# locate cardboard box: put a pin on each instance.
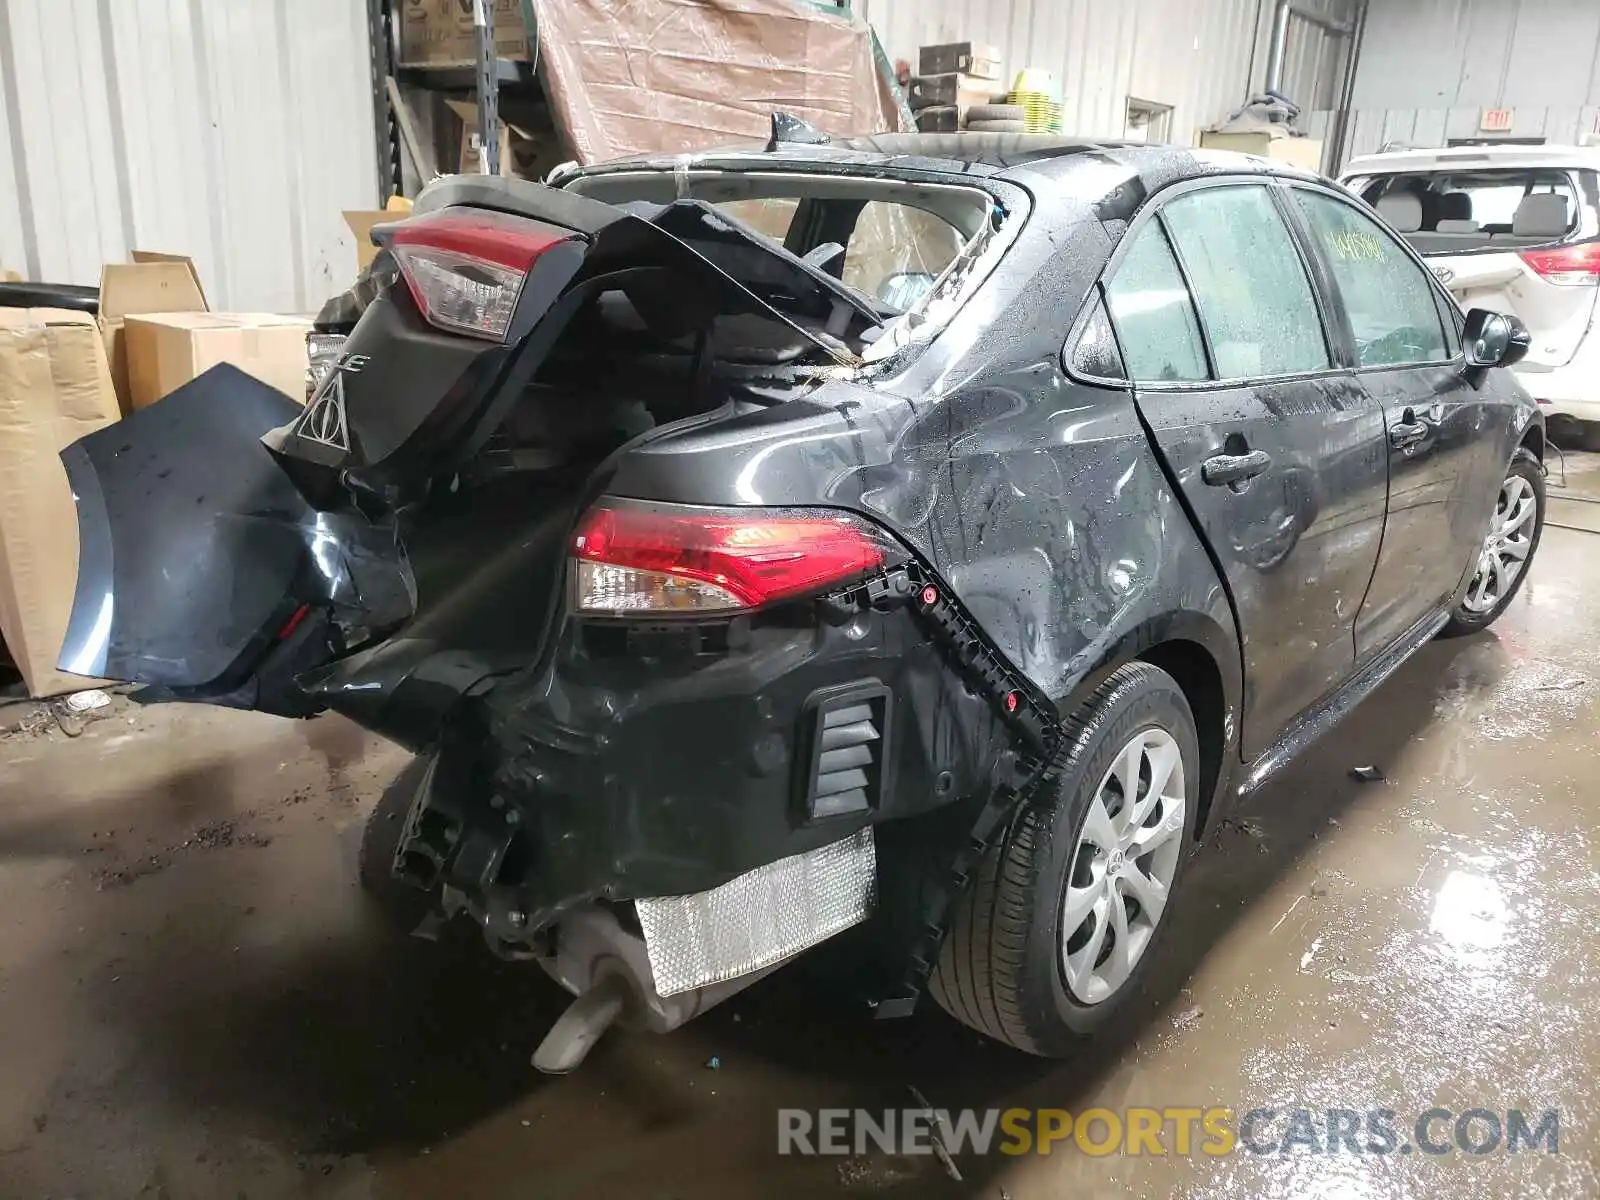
(967, 58)
(361, 222)
(55, 387)
(962, 91)
(939, 118)
(526, 150)
(438, 33)
(152, 283)
(167, 350)
(1303, 152)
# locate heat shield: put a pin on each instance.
(761, 917)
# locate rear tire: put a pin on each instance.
(1007, 967)
(1471, 615)
(1590, 435)
(401, 904)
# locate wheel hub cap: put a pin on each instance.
(1505, 549)
(1123, 865)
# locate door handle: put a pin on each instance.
(1407, 431)
(1230, 469)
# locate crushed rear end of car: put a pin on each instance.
(668, 744)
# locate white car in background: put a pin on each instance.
(1512, 229)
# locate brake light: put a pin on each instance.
(466, 267)
(634, 557)
(1573, 265)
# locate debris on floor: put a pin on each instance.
(1368, 774)
(1188, 1019)
(86, 701)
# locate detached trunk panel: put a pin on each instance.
(198, 553)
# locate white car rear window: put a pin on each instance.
(1442, 211)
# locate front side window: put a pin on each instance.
(1393, 310)
(1154, 315)
(1252, 289)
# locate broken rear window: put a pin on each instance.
(889, 240)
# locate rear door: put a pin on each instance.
(1514, 240)
(1445, 458)
(1277, 450)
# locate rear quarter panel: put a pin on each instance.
(1037, 498)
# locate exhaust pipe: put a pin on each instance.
(607, 969)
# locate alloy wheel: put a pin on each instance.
(1506, 548)
(1123, 866)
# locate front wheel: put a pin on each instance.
(1065, 911)
(1507, 548)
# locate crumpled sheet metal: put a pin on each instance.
(761, 917)
(645, 76)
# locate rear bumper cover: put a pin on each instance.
(1572, 390)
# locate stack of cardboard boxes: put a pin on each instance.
(65, 374)
(951, 78)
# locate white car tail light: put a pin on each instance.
(634, 557)
(466, 267)
(1575, 265)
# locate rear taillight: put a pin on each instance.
(633, 557)
(1573, 266)
(466, 267)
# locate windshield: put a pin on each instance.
(1443, 211)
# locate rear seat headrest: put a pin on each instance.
(1544, 215)
(1455, 206)
(1403, 210)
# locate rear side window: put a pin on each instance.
(1392, 308)
(1447, 210)
(1252, 289)
(1154, 315)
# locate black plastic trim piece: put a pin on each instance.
(1019, 772)
(878, 698)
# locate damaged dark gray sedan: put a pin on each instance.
(926, 536)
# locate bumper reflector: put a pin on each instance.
(760, 918)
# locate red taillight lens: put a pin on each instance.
(643, 558)
(466, 267)
(1573, 266)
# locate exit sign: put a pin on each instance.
(1497, 120)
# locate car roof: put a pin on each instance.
(991, 155)
(1453, 157)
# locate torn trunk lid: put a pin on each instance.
(396, 410)
(235, 542)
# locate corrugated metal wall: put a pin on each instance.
(234, 131)
(1203, 57)
(1430, 67)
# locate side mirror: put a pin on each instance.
(1492, 339)
(903, 289)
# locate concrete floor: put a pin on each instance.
(196, 1001)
